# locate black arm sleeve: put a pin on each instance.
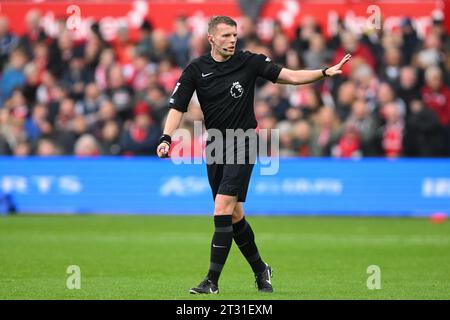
(266, 69)
(183, 91)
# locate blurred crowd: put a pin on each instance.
(92, 97)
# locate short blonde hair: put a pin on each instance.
(216, 20)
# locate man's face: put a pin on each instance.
(223, 39)
(434, 81)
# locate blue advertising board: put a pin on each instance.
(402, 187)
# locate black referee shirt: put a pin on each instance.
(225, 89)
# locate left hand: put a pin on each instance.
(336, 69)
(163, 149)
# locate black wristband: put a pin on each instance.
(166, 138)
(324, 72)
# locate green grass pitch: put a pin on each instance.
(161, 257)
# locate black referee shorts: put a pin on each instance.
(229, 179)
(231, 176)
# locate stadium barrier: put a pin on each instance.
(109, 185)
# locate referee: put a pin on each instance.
(225, 82)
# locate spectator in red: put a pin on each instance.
(141, 136)
(123, 46)
(436, 96)
(169, 74)
(349, 144)
(391, 134)
(359, 52)
(141, 70)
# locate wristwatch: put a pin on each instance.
(324, 72)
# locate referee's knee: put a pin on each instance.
(224, 205)
(236, 217)
(238, 213)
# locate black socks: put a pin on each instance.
(245, 240)
(220, 246)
